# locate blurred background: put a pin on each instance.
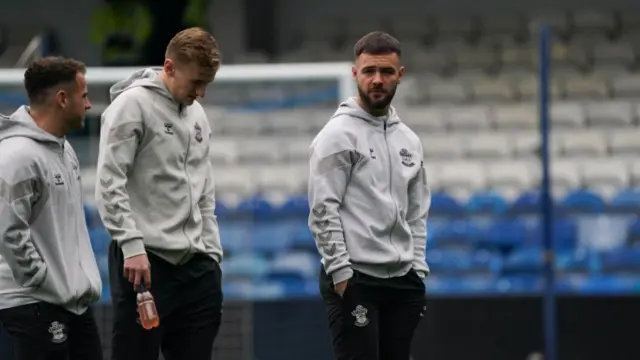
(471, 93)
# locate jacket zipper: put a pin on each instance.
(186, 173)
(70, 179)
(395, 205)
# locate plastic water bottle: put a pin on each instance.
(149, 318)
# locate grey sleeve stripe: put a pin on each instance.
(125, 131)
(336, 161)
(12, 192)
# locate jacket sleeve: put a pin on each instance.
(331, 159)
(120, 135)
(207, 205)
(22, 193)
(419, 202)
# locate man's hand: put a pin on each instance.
(341, 287)
(137, 269)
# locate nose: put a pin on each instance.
(201, 90)
(87, 104)
(377, 78)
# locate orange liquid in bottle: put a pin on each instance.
(149, 318)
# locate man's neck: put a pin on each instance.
(165, 81)
(47, 122)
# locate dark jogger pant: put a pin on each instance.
(43, 331)
(189, 302)
(375, 319)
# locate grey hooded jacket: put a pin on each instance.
(155, 187)
(45, 251)
(368, 195)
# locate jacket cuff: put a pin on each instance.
(133, 247)
(341, 275)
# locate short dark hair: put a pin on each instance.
(377, 43)
(45, 74)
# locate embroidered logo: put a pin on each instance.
(407, 158)
(198, 133)
(360, 313)
(57, 331)
(168, 128)
(58, 179)
(373, 156)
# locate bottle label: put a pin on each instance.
(148, 305)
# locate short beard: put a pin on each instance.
(378, 107)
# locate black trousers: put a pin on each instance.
(375, 319)
(189, 302)
(43, 331)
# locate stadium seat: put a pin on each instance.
(567, 115)
(609, 114)
(510, 117)
(469, 118)
(486, 202)
(582, 200)
(588, 144)
(271, 237)
(623, 260)
(447, 262)
(223, 150)
(605, 176)
(487, 146)
(259, 150)
(442, 147)
(625, 143)
(245, 266)
(100, 240)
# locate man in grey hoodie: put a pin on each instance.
(48, 272)
(369, 202)
(155, 195)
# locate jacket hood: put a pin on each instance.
(350, 107)
(21, 124)
(148, 78)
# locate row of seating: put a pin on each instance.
(614, 145)
(437, 118)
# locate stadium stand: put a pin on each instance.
(471, 97)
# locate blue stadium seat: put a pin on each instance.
(103, 266)
(463, 286)
(487, 202)
(565, 234)
(527, 202)
(296, 205)
(222, 210)
(257, 207)
(297, 265)
(463, 262)
(235, 236)
(622, 260)
(582, 200)
(246, 266)
(271, 237)
(525, 261)
(91, 216)
(443, 203)
(578, 261)
(626, 199)
(503, 235)
(105, 297)
(252, 290)
(301, 237)
(100, 240)
(452, 234)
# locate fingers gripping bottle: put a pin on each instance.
(149, 318)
